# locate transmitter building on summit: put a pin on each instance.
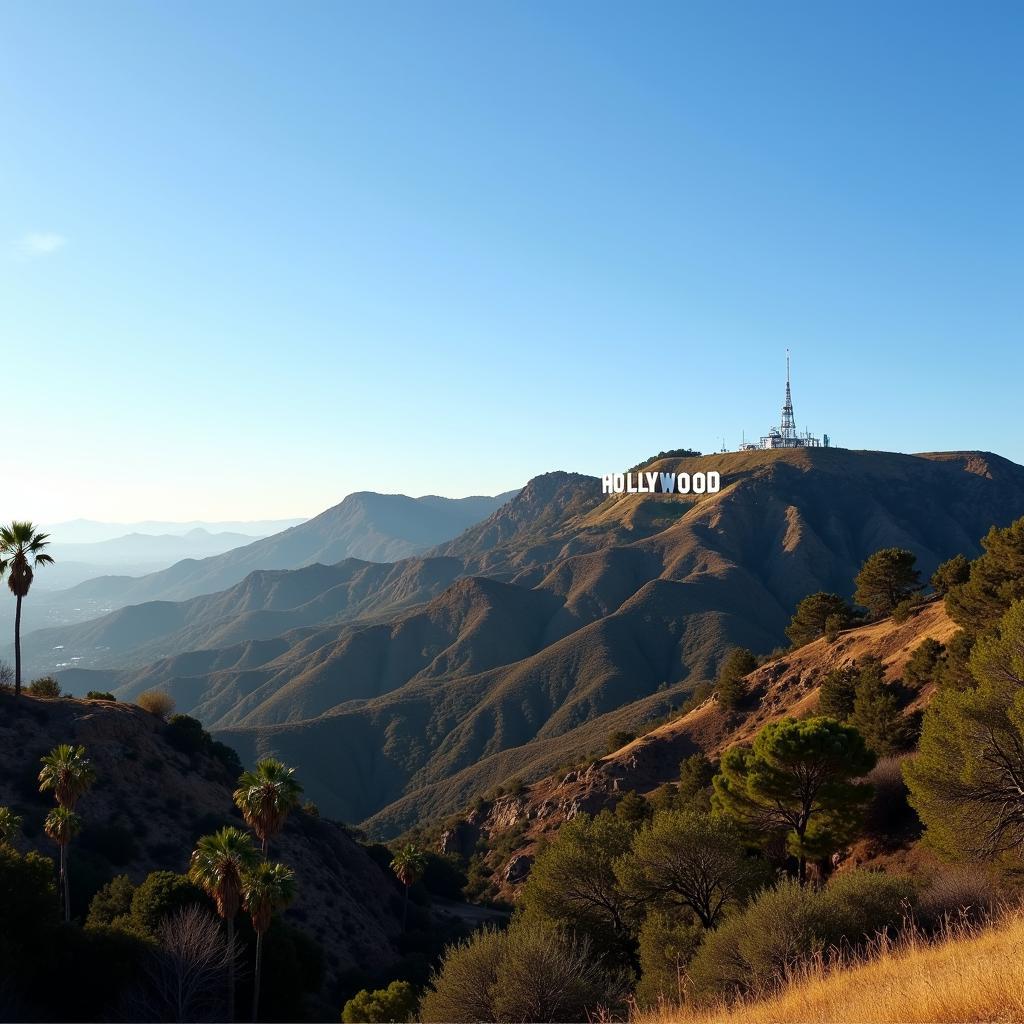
(785, 435)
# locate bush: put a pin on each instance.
(156, 702)
(667, 945)
(955, 893)
(753, 950)
(396, 1003)
(901, 613)
(186, 734)
(44, 686)
(533, 971)
(112, 902)
(618, 739)
(160, 895)
(100, 695)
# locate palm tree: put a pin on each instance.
(68, 772)
(219, 865)
(62, 825)
(10, 825)
(21, 552)
(409, 865)
(268, 887)
(265, 796)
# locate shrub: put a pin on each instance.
(156, 702)
(186, 734)
(667, 945)
(160, 895)
(396, 1003)
(618, 739)
(954, 893)
(902, 611)
(100, 695)
(753, 950)
(889, 813)
(44, 686)
(532, 971)
(110, 903)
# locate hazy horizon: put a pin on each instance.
(253, 262)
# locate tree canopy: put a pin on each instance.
(800, 778)
(887, 579)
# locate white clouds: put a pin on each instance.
(41, 243)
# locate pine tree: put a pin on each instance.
(730, 689)
(887, 578)
(812, 616)
(798, 777)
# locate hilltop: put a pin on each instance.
(565, 615)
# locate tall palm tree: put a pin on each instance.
(265, 796)
(62, 825)
(219, 865)
(408, 864)
(21, 552)
(10, 825)
(268, 887)
(68, 772)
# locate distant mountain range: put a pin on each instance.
(91, 531)
(368, 526)
(403, 690)
(133, 554)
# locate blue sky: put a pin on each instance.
(255, 256)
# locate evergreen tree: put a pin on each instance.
(814, 613)
(798, 778)
(996, 580)
(876, 714)
(837, 692)
(950, 574)
(730, 689)
(887, 578)
(965, 782)
(922, 666)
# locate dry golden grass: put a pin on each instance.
(967, 976)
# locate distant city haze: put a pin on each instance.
(255, 259)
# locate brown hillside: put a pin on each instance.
(587, 613)
(152, 801)
(784, 686)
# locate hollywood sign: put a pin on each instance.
(661, 483)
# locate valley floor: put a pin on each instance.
(976, 977)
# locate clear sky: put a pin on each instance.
(254, 257)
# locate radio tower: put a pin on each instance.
(788, 425)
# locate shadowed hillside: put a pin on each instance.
(152, 801)
(787, 685)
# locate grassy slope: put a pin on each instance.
(963, 978)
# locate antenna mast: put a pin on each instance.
(788, 425)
